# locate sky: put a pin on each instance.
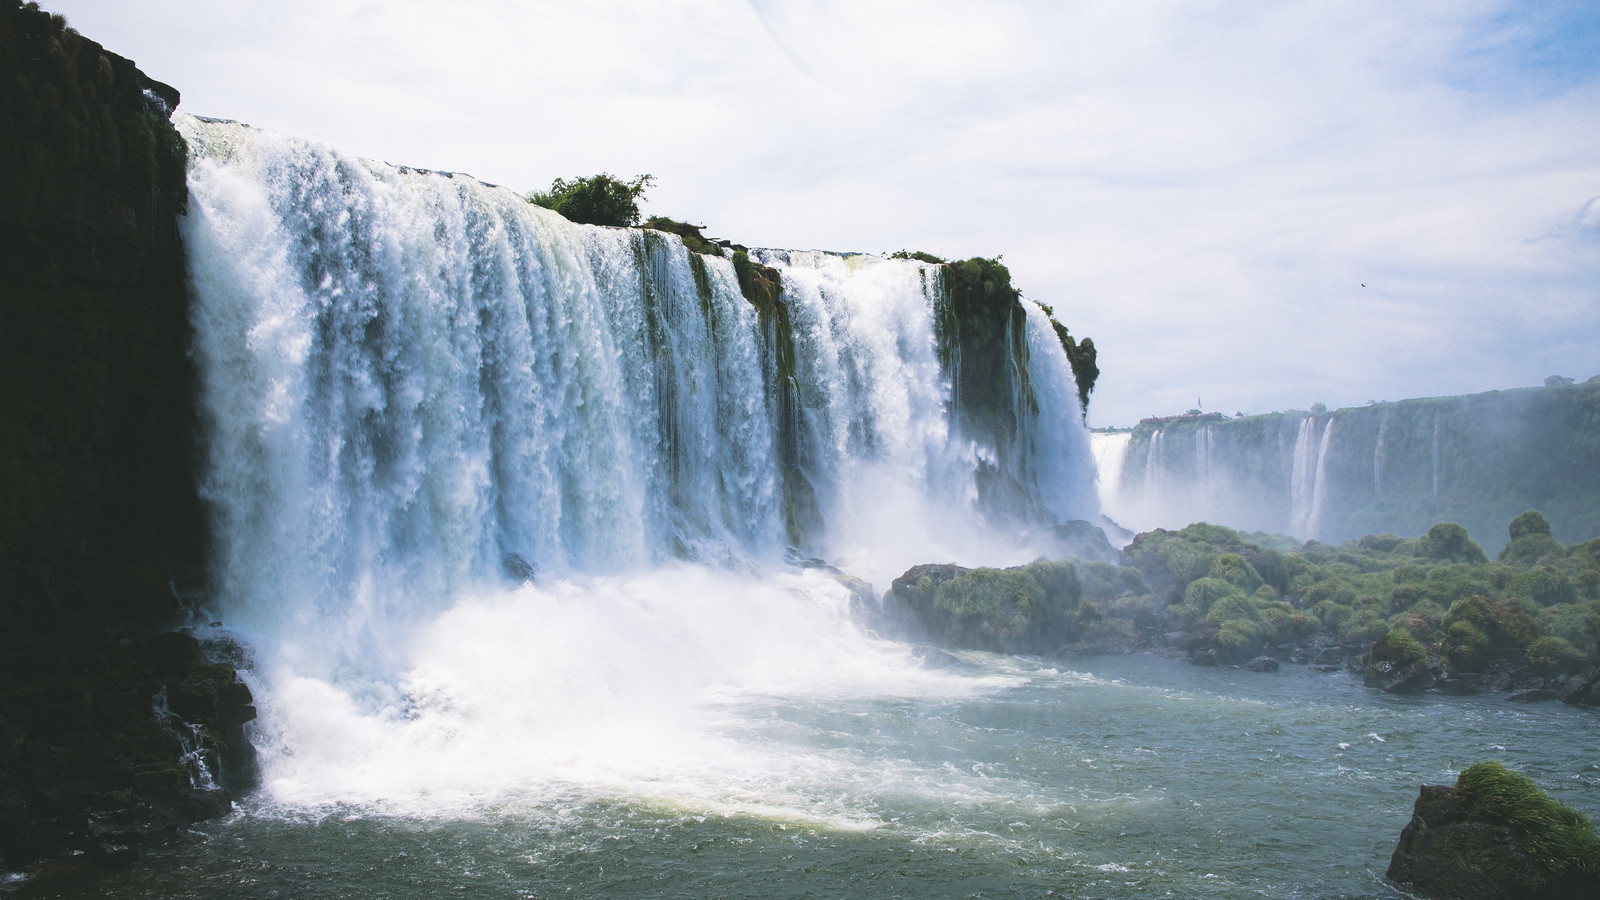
(1248, 206)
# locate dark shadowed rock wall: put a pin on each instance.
(100, 527)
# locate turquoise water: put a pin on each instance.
(1135, 776)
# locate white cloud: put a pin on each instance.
(1203, 187)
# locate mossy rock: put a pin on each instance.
(1495, 835)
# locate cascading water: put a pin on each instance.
(1301, 477)
(1110, 454)
(1434, 458)
(1154, 469)
(1377, 459)
(501, 500)
(1319, 484)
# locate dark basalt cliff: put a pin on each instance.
(100, 525)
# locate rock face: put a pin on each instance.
(1393, 677)
(100, 525)
(1466, 844)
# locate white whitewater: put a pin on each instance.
(1110, 454)
(419, 391)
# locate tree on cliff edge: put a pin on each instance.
(600, 199)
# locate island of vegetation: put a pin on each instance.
(1429, 613)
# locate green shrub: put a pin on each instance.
(1203, 593)
(1554, 654)
(1530, 548)
(1400, 648)
(1558, 838)
(1466, 648)
(1364, 627)
(1104, 581)
(1449, 583)
(1284, 622)
(1576, 623)
(917, 255)
(1528, 524)
(1505, 623)
(1333, 614)
(596, 200)
(1544, 586)
(1059, 581)
(1232, 568)
(1449, 542)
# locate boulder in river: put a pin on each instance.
(1495, 835)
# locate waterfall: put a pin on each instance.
(1319, 483)
(1377, 460)
(476, 472)
(1308, 489)
(1056, 451)
(1154, 468)
(1302, 474)
(1110, 454)
(1435, 455)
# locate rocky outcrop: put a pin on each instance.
(110, 733)
(1495, 836)
(108, 745)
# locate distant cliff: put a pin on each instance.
(1479, 460)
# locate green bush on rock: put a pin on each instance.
(1412, 604)
(1560, 839)
(1495, 834)
(602, 199)
(1449, 542)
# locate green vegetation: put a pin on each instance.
(692, 238)
(1437, 594)
(1559, 839)
(1400, 648)
(596, 200)
(980, 314)
(1232, 597)
(917, 255)
(1036, 607)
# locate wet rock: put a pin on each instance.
(1397, 678)
(518, 569)
(1580, 690)
(1262, 664)
(934, 658)
(1456, 686)
(1534, 696)
(1081, 540)
(863, 599)
(1458, 848)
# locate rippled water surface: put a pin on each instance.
(1111, 777)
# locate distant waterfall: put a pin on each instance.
(1301, 483)
(1319, 491)
(1435, 454)
(1308, 484)
(1377, 459)
(415, 383)
(1110, 455)
(1154, 467)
